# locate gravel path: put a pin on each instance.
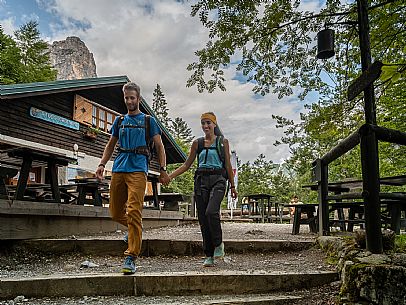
(22, 264)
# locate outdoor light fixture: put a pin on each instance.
(75, 150)
(325, 44)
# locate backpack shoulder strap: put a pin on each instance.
(200, 145)
(220, 148)
(147, 124)
(120, 120)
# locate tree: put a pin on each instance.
(10, 60)
(275, 44)
(180, 130)
(183, 184)
(34, 54)
(255, 178)
(160, 107)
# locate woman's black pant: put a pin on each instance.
(209, 192)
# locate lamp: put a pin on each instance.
(75, 150)
(325, 44)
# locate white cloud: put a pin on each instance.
(152, 42)
(8, 25)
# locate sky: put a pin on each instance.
(152, 42)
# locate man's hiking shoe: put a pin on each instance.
(219, 251)
(128, 266)
(125, 238)
(208, 262)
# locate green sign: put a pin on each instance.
(53, 118)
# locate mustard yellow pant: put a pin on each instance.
(126, 201)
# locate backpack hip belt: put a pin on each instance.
(140, 150)
(210, 171)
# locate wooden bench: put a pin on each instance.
(310, 210)
(6, 172)
(170, 200)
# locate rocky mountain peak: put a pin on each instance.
(72, 59)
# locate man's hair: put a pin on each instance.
(132, 86)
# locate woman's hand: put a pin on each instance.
(164, 178)
(234, 193)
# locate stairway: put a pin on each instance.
(85, 270)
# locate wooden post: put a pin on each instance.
(369, 144)
(23, 177)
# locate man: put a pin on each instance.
(130, 168)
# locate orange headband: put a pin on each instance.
(209, 116)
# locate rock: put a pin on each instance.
(88, 264)
(399, 259)
(72, 59)
(375, 259)
(19, 299)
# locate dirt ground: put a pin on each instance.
(22, 264)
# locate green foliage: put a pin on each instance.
(184, 183)
(160, 106)
(25, 59)
(183, 137)
(34, 54)
(10, 59)
(400, 244)
(180, 130)
(255, 178)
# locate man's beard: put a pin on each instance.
(131, 107)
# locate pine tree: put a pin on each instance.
(180, 130)
(10, 60)
(34, 54)
(160, 107)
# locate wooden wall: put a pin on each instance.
(15, 121)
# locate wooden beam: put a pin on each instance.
(364, 80)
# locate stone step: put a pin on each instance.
(153, 247)
(246, 299)
(163, 283)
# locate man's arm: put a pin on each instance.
(108, 152)
(163, 177)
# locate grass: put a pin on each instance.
(400, 243)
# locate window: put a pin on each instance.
(90, 113)
(94, 116)
(109, 120)
(102, 119)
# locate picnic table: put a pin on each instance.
(171, 200)
(28, 156)
(89, 186)
(311, 216)
(345, 196)
(259, 207)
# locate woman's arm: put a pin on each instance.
(189, 161)
(229, 168)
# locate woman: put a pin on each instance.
(213, 157)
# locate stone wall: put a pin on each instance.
(367, 278)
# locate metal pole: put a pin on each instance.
(369, 144)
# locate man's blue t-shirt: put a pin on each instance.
(130, 138)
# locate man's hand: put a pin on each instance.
(100, 172)
(164, 178)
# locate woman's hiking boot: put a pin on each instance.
(219, 251)
(208, 262)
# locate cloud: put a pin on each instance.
(153, 42)
(8, 25)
